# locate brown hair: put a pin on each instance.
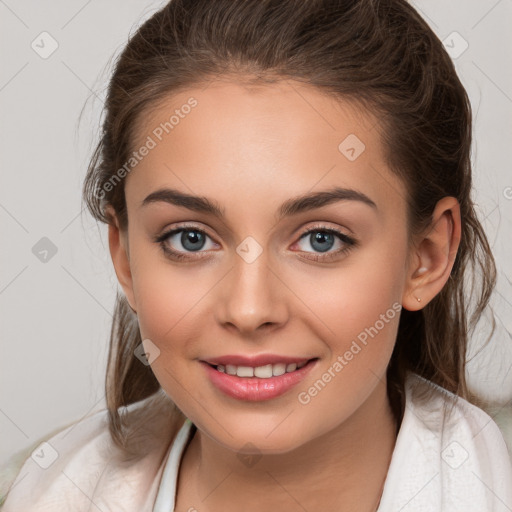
(378, 53)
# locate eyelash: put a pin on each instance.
(349, 242)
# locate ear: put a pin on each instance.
(118, 244)
(433, 255)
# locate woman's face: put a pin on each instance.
(295, 250)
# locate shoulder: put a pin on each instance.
(437, 410)
(449, 454)
(81, 464)
(49, 461)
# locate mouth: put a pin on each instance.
(266, 371)
(257, 382)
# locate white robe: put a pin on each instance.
(437, 465)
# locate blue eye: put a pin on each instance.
(183, 242)
(180, 241)
(322, 240)
(190, 240)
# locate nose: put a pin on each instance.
(251, 298)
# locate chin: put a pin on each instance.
(271, 438)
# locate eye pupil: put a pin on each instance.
(322, 241)
(192, 240)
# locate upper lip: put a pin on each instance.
(254, 361)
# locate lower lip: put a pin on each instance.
(253, 388)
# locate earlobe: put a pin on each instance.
(434, 255)
(118, 245)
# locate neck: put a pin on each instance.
(344, 469)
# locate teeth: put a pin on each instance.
(262, 372)
(245, 371)
(231, 369)
(278, 369)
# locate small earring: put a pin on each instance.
(418, 299)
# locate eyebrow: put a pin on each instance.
(290, 207)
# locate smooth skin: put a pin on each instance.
(248, 150)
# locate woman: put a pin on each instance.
(287, 189)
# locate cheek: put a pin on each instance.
(361, 309)
(351, 299)
(169, 300)
(170, 315)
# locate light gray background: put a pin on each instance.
(56, 315)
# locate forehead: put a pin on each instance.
(279, 139)
(301, 108)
